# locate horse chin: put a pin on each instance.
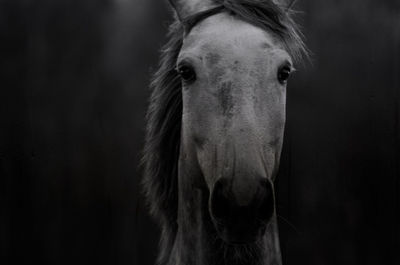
(236, 235)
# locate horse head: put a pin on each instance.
(234, 77)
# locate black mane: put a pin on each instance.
(161, 152)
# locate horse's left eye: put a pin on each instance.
(284, 74)
(187, 73)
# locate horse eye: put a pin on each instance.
(284, 74)
(187, 73)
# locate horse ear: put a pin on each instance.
(186, 8)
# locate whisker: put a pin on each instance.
(289, 223)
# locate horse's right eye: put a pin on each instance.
(284, 74)
(187, 73)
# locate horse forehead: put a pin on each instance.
(225, 33)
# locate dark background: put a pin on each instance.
(74, 80)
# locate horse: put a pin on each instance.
(214, 134)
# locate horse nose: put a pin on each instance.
(226, 209)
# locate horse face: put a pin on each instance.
(234, 91)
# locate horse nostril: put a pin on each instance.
(220, 204)
(266, 199)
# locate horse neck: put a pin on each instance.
(196, 242)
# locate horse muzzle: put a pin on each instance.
(239, 221)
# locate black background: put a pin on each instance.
(74, 86)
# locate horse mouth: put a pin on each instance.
(239, 233)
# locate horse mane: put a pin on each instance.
(162, 141)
